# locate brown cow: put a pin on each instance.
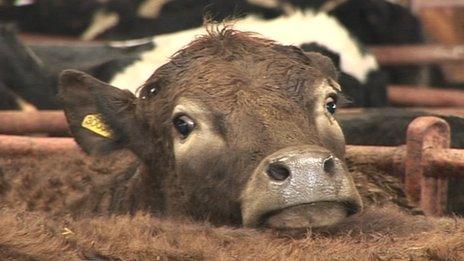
(235, 129)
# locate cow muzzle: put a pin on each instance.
(299, 187)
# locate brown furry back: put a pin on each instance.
(60, 184)
(76, 184)
(378, 234)
(37, 194)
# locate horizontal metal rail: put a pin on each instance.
(17, 122)
(417, 5)
(445, 111)
(11, 145)
(54, 122)
(407, 95)
(418, 54)
(413, 54)
(425, 162)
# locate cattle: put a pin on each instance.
(25, 82)
(381, 233)
(50, 16)
(378, 22)
(204, 132)
(128, 67)
(29, 74)
(34, 225)
(361, 78)
(372, 22)
(234, 129)
(7, 99)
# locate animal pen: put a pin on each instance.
(425, 164)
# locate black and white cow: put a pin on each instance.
(372, 21)
(313, 31)
(25, 82)
(375, 22)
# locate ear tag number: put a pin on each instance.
(95, 123)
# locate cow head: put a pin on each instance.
(235, 129)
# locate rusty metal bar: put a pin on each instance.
(447, 162)
(54, 122)
(438, 162)
(16, 122)
(388, 158)
(430, 191)
(416, 5)
(448, 111)
(418, 54)
(407, 95)
(20, 145)
(425, 163)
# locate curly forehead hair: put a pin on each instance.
(225, 44)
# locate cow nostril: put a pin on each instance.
(277, 172)
(329, 165)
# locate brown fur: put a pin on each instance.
(261, 94)
(52, 209)
(68, 183)
(35, 206)
(380, 234)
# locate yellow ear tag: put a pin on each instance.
(95, 123)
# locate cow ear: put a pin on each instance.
(102, 118)
(323, 58)
(325, 63)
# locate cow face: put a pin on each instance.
(235, 129)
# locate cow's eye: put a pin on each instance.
(331, 105)
(184, 125)
(149, 91)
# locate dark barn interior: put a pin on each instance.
(232, 130)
